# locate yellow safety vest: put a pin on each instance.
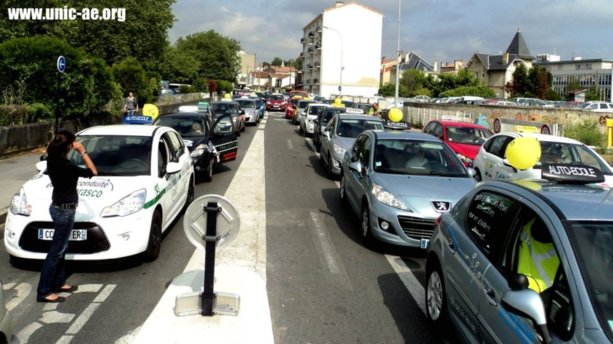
(538, 261)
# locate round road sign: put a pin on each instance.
(61, 64)
(195, 221)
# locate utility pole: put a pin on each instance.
(397, 57)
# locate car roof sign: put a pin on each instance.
(572, 173)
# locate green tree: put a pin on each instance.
(143, 34)
(217, 55)
(29, 64)
(387, 90)
(520, 85)
(276, 62)
(478, 91)
(593, 93)
(540, 81)
(131, 77)
(179, 66)
(414, 81)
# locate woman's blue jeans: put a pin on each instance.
(53, 274)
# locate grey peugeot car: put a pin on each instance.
(399, 182)
(526, 261)
(339, 135)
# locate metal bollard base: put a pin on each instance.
(223, 304)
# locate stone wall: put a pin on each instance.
(18, 138)
(501, 118)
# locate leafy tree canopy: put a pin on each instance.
(217, 55)
(28, 68)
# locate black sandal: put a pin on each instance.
(67, 290)
(47, 300)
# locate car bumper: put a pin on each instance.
(251, 118)
(309, 127)
(405, 228)
(276, 107)
(107, 238)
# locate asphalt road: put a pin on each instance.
(323, 285)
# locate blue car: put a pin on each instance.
(399, 183)
(526, 261)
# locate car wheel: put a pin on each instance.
(342, 189)
(317, 145)
(238, 133)
(330, 173)
(301, 131)
(436, 307)
(208, 171)
(365, 226)
(243, 127)
(155, 238)
(191, 194)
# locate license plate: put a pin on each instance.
(75, 235)
(423, 243)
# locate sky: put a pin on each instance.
(436, 30)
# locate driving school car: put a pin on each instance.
(145, 178)
(526, 261)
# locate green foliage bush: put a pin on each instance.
(478, 91)
(587, 132)
(38, 111)
(12, 114)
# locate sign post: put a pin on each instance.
(219, 228)
(61, 67)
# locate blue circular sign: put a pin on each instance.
(61, 64)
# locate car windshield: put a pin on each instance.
(593, 243)
(465, 135)
(231, 108)
(354, 127)
(316, 110)
(117, 155)
(303, 104)
(329, 113)
(276, 97)
(570, 153)
(249, 104)
(415, 157)
(186, 126)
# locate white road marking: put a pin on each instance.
(332, 259)
(23, 290)
(290, 145)
(78, 324)
(410, 281)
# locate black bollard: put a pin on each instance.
(210, 237)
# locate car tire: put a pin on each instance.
(436, 306)
(191, 193)
(207, 174)
(342, 190)
(365, 230)
(329, 167)
(155, 238)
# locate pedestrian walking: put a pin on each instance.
(130, 105)
(64, 175)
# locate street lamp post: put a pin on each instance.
(340, 79)
(397, 58)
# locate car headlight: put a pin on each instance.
(338, 150)
(127, 205)
(198, 151)
(388, 198)
(20, 205)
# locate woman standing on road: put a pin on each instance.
(64, 175)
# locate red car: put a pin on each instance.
(291, 110)
(464, 138)
(276, 102)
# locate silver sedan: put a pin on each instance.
(399, 184)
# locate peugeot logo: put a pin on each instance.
(441, 206)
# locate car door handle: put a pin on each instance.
(490, 296)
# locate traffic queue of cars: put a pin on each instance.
(524, 257)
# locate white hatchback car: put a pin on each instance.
(145, 179)
(308, 117)
(491, 164)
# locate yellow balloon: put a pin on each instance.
(395, 115)
(523, 152)
(150, 110)
(227, 96)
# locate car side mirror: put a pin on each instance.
(356, 166)
(327, 134)
(528, 303)
(508, 164)
(173, 167)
